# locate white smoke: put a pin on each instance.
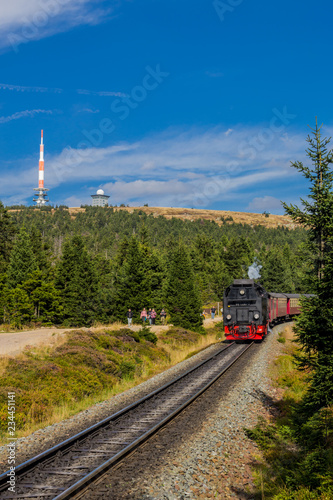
(254, 271)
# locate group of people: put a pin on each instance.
(212, 313)
(151, 315)
(145, 315)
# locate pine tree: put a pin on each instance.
(275, 274)
(22, 260)
(181, 295)
(45, 298)
(314, 327)
(18, 308)
(77, 281)
(238, 257)
(40, 250)
(317, 212)
(138, 282)
(7, 233)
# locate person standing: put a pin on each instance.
(213, 311)
(153, 315)
(129, 317)
(143, 315)
(149, 315)
(163, 316)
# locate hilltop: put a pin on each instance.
(218, 216)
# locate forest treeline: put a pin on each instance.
(76, 270)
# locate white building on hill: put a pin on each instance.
(99, 199)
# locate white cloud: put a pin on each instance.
(174, 168)
(24, 114)
(265, 203)
(75, 201)
(21, 88)
(101, 93)
(88, 110)
(22, 21)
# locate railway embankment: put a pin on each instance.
(227, 444)
(80, 376)
(205, 453)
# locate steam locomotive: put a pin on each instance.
(248, 310)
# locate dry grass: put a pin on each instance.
(3, 364)
(284, 371)
(5, 328)
(180, 352)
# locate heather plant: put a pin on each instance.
(84, 366)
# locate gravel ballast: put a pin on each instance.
(205, 452)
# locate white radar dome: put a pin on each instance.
(100, 191)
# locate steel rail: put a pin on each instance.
(99, 471)
(66, 445)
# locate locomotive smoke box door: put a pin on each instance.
(242, 315)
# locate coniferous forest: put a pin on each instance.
(56, 268)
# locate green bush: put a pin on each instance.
(147, 335)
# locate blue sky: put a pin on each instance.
(171, 103)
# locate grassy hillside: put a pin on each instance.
(192, 214)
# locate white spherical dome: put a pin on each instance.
(100, 191)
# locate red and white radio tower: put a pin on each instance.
(40, 196)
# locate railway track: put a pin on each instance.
(66, 470)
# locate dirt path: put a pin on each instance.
(14, 343)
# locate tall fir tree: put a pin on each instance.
(45, 298)
(7, 233)
(22, 260)
(138, 281)
(275, 274)
(181, 294)
(314, 327)
(77, 281)
(40, 250)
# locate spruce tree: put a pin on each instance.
(314, 327)
(18, 308)
(40, 249)
(138, 282)
(77, 281)
(44, 296)
(181, 295)
(22, 260)
(275, 274)
(7, 233)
